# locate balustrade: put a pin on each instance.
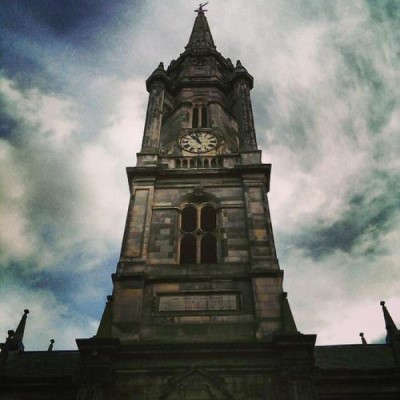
(198, 162)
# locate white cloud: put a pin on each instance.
(103, 161)
(78, 182)
(338, 296)
(48, 319)
(15, 236)
(49, 115)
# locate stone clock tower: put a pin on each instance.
(197, 309)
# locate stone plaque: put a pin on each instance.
(198, 302)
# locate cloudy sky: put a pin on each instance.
(327, 110)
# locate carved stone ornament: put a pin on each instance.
(195, 384)
(199, 61)
(163, 151)
(91, 392)
(198, 191)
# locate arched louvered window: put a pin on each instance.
(204, 117)
(200, 116)
(198, 244)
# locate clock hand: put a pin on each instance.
(195, 136)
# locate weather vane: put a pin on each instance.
(200, 10)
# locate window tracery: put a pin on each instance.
(199, 234)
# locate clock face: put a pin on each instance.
(198, 142)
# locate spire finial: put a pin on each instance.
(201, 39)
(19, 332)
(363, 341)
(51, 345)
(200, 10)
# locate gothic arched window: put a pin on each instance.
(198, 243)
(188, 249)
(208, 249)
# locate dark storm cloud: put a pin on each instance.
(56, 281)
(364, 68)
(66, 281)
(63, 17)
(67, 289)
(366, 213)
(60, 17)
(7, 124)
(384, 10)
(60, 39)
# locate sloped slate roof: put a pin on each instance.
(354, 356)
(42, 364)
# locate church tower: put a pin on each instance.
(197, 309)
(198, 260)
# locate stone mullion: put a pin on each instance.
(198, 235)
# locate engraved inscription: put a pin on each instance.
(215, 302)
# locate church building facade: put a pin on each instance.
(198, 309)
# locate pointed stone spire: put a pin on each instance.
(104, 330)
(289, 326)
(393, 334)
(363, 341)
(239, 66)
(201, 38)
(240, 72)
(19, 332)
(391, 327)
(6, 348)
(158, 75)
(13, 342)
